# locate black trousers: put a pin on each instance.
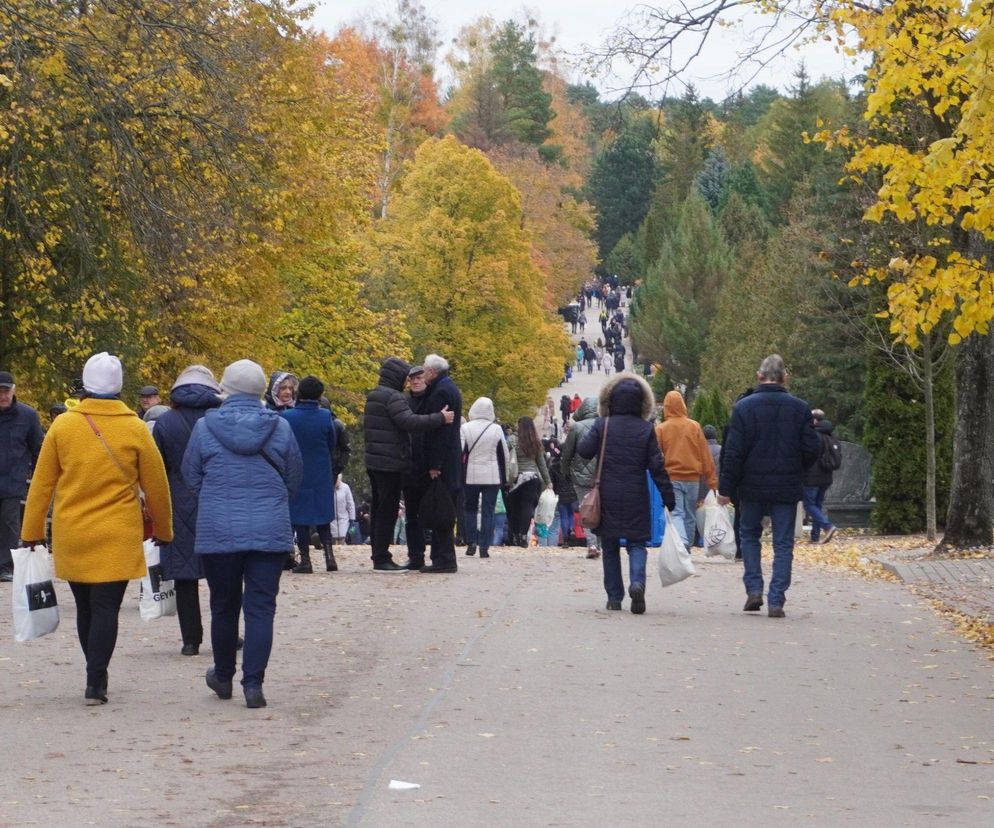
(191, 626)
(385, 501)
(413, 492)
(521, 503)
(303, 535)
(97, 609)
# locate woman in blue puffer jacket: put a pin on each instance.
(244, 463)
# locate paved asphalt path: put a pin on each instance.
(512, 697)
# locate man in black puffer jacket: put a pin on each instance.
(770, 442)
(387, 421)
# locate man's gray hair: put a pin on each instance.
(436, 363)
(817, 415)
(772, 369)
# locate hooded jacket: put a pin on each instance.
(770, 442)
(484, 439)
(581, 471)
(686, 453)
(630, 451)
(387, 420)
(275, 380)
(815, 475)
(172, 434)
(244, 463)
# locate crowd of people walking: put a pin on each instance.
(230, 476)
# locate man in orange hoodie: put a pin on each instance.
(688, 462)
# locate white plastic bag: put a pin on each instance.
(674, 559)
(718, 533)
(156, 597)
(545, 512)
(36, 610)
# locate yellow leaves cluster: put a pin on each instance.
(932, 66)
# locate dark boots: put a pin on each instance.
(330, 564)
(304, 567)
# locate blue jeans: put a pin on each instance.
(814, 498)
(243, 582)
(552, 535)
(500, 528)
(614, 584)
(566, 512)
(480, 499)
(685, 513)
(783, 516)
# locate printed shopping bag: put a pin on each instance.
(36, 610)
(156, 597)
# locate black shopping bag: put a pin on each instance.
(437, 509)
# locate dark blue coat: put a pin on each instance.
(631, 450)
(770, 442)
(443, 446)
(171, 434)
(244, 463)
(314, 428)
(20, 442)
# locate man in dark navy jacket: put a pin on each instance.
(20, 442)
(770, 442)
(443, 454)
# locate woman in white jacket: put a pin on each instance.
(344, 510)
(487, 461)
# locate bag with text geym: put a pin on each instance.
(156, 597)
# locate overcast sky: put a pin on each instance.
(579, 22)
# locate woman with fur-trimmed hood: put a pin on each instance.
(625, 408)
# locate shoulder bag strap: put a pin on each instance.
(600, 460)
(135, 487)
(477, 440)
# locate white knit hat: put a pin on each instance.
(103, 374)
(197, 375)
(244, 377)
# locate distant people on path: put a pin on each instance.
(387, 423)
(574, 403)
(96, 461)
(711, 435)
(245, 465)
(533, 476)
(487, 461)
(565, 408)
(148, 397)
(581, 471)
(194, 393)
(771, 441)
(20, 444)
(313, 504)
(688, 460)
(579, 358)
(344, 524)
(281, 393)
(562, 485)
(625, 407)
(818, 478)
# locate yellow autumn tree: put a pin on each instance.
(455, 260)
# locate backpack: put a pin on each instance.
(830, 458)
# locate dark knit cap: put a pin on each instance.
(311, 388)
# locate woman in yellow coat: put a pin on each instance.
(94, 460)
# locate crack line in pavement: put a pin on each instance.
(421, 722)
